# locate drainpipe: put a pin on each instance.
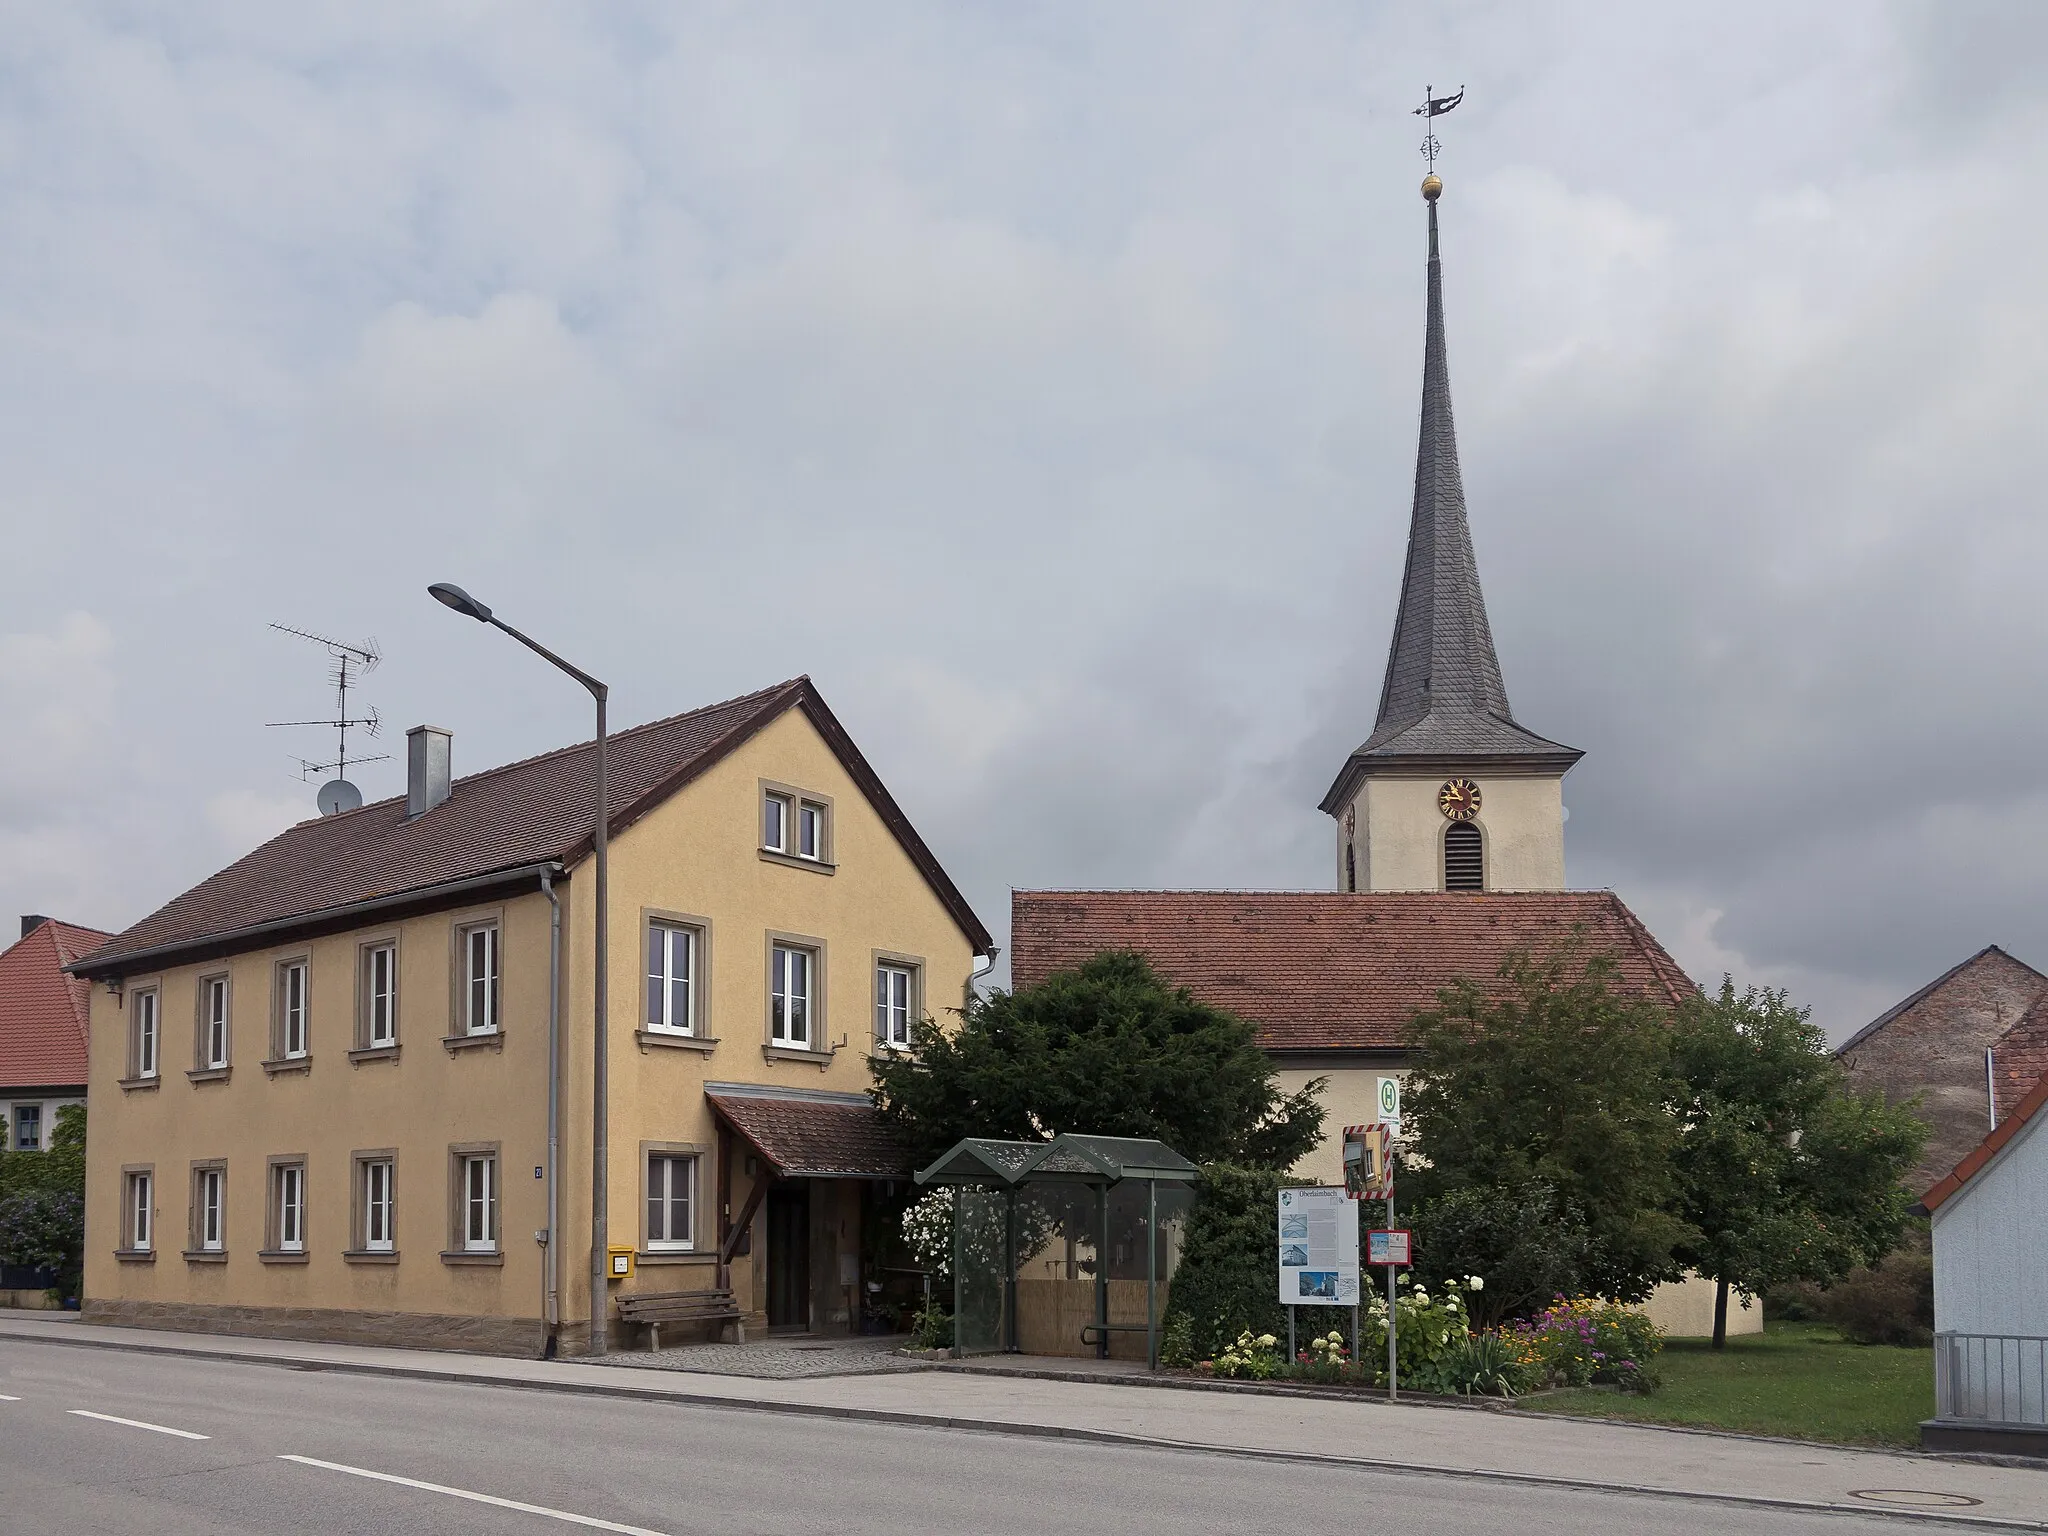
(1991, 1084)
(551, 1282)
(983, 964)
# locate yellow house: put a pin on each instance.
(323, 1079)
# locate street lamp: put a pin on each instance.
(454, 597)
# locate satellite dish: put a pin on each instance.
(338, 795)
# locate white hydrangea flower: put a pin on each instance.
(1475, 1282)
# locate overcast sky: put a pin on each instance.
(1042, 379)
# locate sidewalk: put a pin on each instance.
(1414, 1438)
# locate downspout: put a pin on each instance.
(983, 964)
(1991, 1084)
(551, 1281)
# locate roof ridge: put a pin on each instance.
(1940, 981)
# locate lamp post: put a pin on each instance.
(454, 597)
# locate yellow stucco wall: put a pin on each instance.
(1400, 833)
(1349, 1098)
(695, 855)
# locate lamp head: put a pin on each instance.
(447, 593)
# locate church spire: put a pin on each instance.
(1443, 699)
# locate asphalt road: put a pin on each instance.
(210, 1446)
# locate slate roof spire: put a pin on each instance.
(1444, 698)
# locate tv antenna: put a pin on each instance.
(351, 664)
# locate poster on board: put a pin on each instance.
(1318, 1248)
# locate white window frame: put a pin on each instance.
(481, 991)
(785, 1000)
(777, 812)
(211, 1199)
(664, 939)
(291, 1207)
(141, 1228)
(380, 1205)
(895, 1003)
(28, 1114)
(213, 1022)
(664, 1169)
(148, 1026)
(294, 1038)
(479, 1202)
(380, 1028)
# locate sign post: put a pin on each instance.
(1388, 1103)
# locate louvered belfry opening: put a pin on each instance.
(1464, 858)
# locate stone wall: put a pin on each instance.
(396, 1330)
(1933, 1045)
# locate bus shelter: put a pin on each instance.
(1063, 1247)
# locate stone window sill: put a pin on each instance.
(279, 1066)
(463, 1256)
(206, 1255)
(654, 1037)
(660, 1256)
(494, 1040)
(282, 1255)
(363, 1053)
(135, 1084)
(797, 861)
(135, 1255)
(370, 1256)
(209, 1074)
(818, 1059)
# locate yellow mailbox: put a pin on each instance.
(620, 1265)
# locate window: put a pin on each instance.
(28, 1127)
(377, 1179)
(480, 979)
(142, 1024)
(479, 1203)
(209, 1197)
(137, 1230)
(670, 1181)
(288, 1214)
(1464, 858)
(671, 978)
(1351, 867)
(213, 1022)
(895, 989)
(810, 831)
(775, 822)
(791, 986)
(291, 1041)
(379, 984)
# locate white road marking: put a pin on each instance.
(475, 1498)
(162, 1429)
(4, 1398)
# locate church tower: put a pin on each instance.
(1448, 793)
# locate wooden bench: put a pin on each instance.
(654, 1308)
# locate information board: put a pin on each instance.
(1318, 1248)
(1387, 1246)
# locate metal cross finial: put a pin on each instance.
(1434, 106)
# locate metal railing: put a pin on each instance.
(1991, 1378)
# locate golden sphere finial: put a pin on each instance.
(1432, 187)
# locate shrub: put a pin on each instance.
(1326, 1358)
(45, 1229)
(1250, 1358)
(1177, 1341)
(1430, 1333)
(1527, 1240)
(1891, 1304)
(932, 1328)
(1225, 1284)
(1495, 1365)
(1582, 1340)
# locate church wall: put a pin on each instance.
(1350, 1098)
(1400, 833)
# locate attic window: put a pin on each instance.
(1464, 858)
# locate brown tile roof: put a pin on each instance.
(1988, 1148)
(1320, 971)
(43, 1012)
(823, 1135)
(522, 814)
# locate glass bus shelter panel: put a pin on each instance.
(981, 1269)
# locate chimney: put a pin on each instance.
(428, 754)
(30, 922)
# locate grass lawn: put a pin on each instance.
(1797, 1379)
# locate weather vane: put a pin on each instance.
(1432, 107)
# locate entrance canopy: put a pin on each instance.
(803, 1134)
(1067, 1159)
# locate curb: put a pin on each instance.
(628, 1392)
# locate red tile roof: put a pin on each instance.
(43, 1012)
(1988, 1148)
(1319, 971)
(525, 813)
(826, 1136)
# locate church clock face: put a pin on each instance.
(1459, 799)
